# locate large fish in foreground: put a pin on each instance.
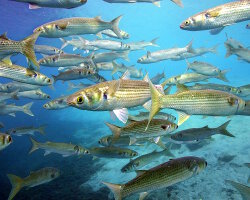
(35, 178)
(78, 26)
(36, 4)
(26, 47)
(196, 102)
(218, 17)
(161, 176)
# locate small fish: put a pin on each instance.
(244, 90)
(64, 149)
(144, 160)
(141, 45)
(44, 175)
(112, 152)
(134, 72)
(63, 60)
(110, 140)
(78, 26)
(242, 53)
(207, 69)
(195, 135)
(196, 102)
(34, 94)
(111, 33)
(6, 96)
(161, 176)
(26, 47)
(57, 104)
(110, 56)
(218, 17)
(136, 129)
(155, 2)
(157, 78)
(24, 75)
(77, 44)
(36, 4)
(11, 109)
(5, 140)
(232, 43)
(47, 50)
(26, 130)
(144, 115)
(72, 86)
(157, 56)
(105, 66)
(17, 86)
(244, 190)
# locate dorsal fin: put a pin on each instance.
(4, 36)
(146, 78)
(126, 75)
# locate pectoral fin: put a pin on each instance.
(122, 114)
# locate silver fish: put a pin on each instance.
(11, 109)
(134, 72)
(57, 104)
(157, 78)
(17, 86)
(110, 56)
(141, 45)
(6, 96)
(34, 94)
(72, 86)
(78, 44)
(111, 33)
(26, 130)
(47, 50)
(105, 66)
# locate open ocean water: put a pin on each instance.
(81, 176)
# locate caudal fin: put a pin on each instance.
(54, 78)
(41, 129)
(243, 189)
(178, 2)
(116, 130)
(214, 49)
(124, 55)
(26, 109)
(115, 68)
(28, 48)
(16, 183)
(153, 42)
(115, 26)
(190, 47)
(65, 43)
(116, 189)
(222, 76)
(35, 145)
(229, 51)
(223, 129)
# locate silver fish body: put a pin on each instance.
(158, 77)
(34, 94)
(142, 45)
(111, 33)
(17, 86)
(6, 96)
(47, 50)
(57, 104)
(110, 56)
(11, 109)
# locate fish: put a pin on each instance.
(218, 17)
(144, 160)
(1, 125)
(157, 56)
(63, 60)
(26, 47)
(64, 149)
(112, 152)
(77, 44)
(244, 190)
(111, 45)
(142, 44)
(115, 96)
(11, 109)
(136, 129)
(244, 90)
(155, 2)
(246, 110)
(36, 4)
(207, 69)
(144, 115)
(161, 176)
(105, 66)
(24, 75)
(17, 86)
(72, 86)
(26, 130)
(195, 135)
(39, 177)
(158, 77)
(77, 26)
(248, 26)
(111, 34)
(47, 50)
(232, 43)
(5, 141)
(57, 104)
(110, 140)
(110, 56)
(6, 96)
(242, 53)
(34, 94)
(134, 72)
(196, 102)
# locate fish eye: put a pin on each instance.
(79, 100)
(86, 152)
(187, 23)
(9, 139)
(99, 141)
(48, 80)
(206, 163)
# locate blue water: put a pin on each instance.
(81, 177)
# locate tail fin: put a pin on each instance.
(190, 47)
(115, 68)
(223, 129)
(178, 2)
(154, 42)
(14, 95)
(188, 64)
(229, 51)
(28, 48)
(124, 55)
(222, 76)
(16, 183)
(156, 103)
(214, 49)
(41, 129)
(35, 145)
(26, 109)
(243, 189)
(116, 131)
(116, 189)
(115, 28)
(54, 78)
(65, 43)
(70, 86)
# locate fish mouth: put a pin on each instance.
(182, 26)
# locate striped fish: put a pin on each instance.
(161, 176)
(24, 75)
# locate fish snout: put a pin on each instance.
(70, 101)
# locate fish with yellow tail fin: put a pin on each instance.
(26, 47)
(161, 176)
(195, 102)
(35, 178)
